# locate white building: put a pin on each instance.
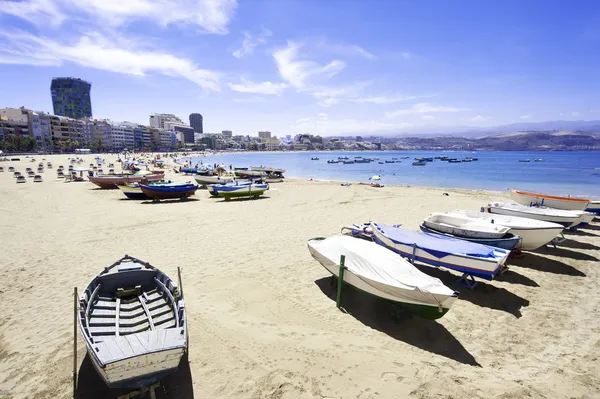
(264, 135)
(159, 120)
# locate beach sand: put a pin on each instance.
(261, 311)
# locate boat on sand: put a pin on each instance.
(461, 226)
(237, 191)
(551, 201)
(169, 190)
(112, 181)
(567, 219)
(133, 321)
(377, 271)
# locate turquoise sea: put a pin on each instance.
(574, 173)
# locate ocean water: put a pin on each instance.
(573, 173)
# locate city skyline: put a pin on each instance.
(394, 68)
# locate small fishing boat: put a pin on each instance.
(37, 179)
(389, 161)
(40, 170)
(204, 180)
(169, 190)
(333, 161)
(249, 174)
(533, 233)
(537, 160)
(454, 160)
(189, 171)
(21, 179)
(314, 159)
(419, 163)
(11, 169)
(49, 165)
(551, 201)
(133, 320)
(509, 241)
(348, 162)
(567, 219)
(111, 181)
(436, 250)
(60, 174)
(212, 188)
(16, 174)
(461, 226)
(524, 160)
(132, 191)
(30, 174)
(267, 169)
(377, 271)
(381, 163)
(237, 191)
(593, 207)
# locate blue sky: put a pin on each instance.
(320, 66)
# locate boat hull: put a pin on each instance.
(509, 243)
(168, 192)
(134, 193)
(229, 192)
(566, 222)
(593, 207)
(479, 267)
(112, 181)
(551, 201)
(205, 180)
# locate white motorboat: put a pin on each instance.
(551, 201)
(566, 218)
(378, 271)
(533, 233)
(204, 180)
(461, 226)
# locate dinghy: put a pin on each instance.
(377, 271)
(111, 181)
(551, 201)
(236, 191)
(169, 190)
(533, 233)
(509, 241)
(133, 321)
(467, 257)
(204, 180)
(568, 219)
(37, 179)
(460, 226)
(212, 189)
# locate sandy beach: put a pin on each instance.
(261, 310)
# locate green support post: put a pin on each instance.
(340, 281)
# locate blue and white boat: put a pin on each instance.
(441, 251)
(169, 190)
(212, 188)
(593, 207)
(236, 191)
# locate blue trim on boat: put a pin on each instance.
(508, 243)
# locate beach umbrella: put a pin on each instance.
(376, 177)
(142, 173)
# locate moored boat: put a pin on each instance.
(111, 181)
(377, 271)
(169, 190)
(551, 201)
(133, 320)
(534, 233)
(467, 257)
(237, 191)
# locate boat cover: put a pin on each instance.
(380, 268)
(434, 244)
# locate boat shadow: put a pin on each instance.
(243, 199)
(484, 295)
(578, 245)
(169, 201)
(393, 320)
(567, 253)
(542, 264)
(513, 277)
(579, 232)
(177, 385)
(592, 226)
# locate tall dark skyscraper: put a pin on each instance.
(71, 97)
(196, 123)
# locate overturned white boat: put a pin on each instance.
(132, 318)
(534, 233)
(461, 226)
(568, 219)
(378, 271)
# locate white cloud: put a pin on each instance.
(96, 51)
(478, 118)
(211, 16)
(250, 42)
(576, 114)
(421, 108)
(526, 117)
(389, 99)
(322, 126)
(297, 72)
(428, 117)
(406, 55)
(250, 100)
(247, 86)
(322, 115)
(344, 49)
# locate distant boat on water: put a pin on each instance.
(419, 163)
(524, 160)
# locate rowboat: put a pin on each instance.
(204, 180)
(212, 189)
(567, 219)
(377, 271)
(111, 181)
(418, 163)
(248, 174)
(436, 250)
(169, 190)
(132, 191)
(237, 191)
(133, 321)
(267, 169)
(509, 241)
(593, 207)
(458, 225)
(551, 201)
(533, 233)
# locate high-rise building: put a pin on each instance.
(227, 134)
(159, 120)
(196, 123)
(264, 135)
(187, 133)
(71, 97)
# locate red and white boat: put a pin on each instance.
(551, 201)
(112, 181)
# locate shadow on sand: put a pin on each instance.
(177, 385)
(242, 199)
(578, 245)
(170, 201)
(393, 320)
(542, 264)
(485, 295)
(592, 226)
(512, 277)
(567, 253)
(579, 232)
